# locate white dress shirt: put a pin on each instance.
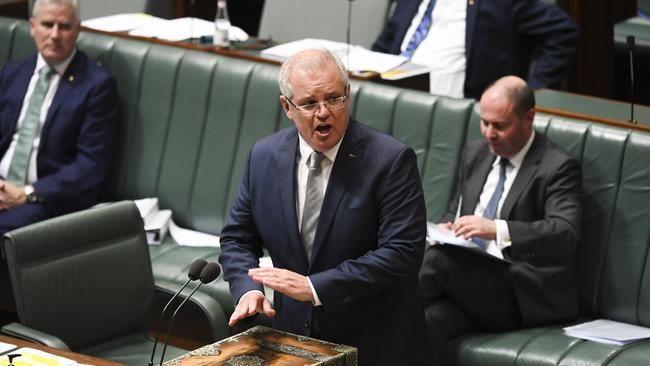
(47, 102)
(443, 49)
(503, 234)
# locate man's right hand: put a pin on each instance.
(250, 304)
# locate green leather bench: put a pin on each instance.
(189, 118)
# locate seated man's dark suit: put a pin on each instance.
(77, 139)
(500, 39)
(464, 291)
(367, 249)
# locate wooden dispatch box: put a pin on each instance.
(263, 346)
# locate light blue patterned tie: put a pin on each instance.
(27, 132)
(313, 201)
(490, 211)
(421, 31)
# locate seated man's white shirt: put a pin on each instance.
(47, 102)
(503, 234)
(443, 49)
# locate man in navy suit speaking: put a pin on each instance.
(58, 122)
(340, 209)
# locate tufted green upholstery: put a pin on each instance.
(189, 119)
(85, 280)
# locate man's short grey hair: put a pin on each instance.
(73, 3)
(324, 58)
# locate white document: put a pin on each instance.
(31, 356)
(6, 347)
(446, 236)
(608, 331)
(405, 70)
(360, 59)
(192, 238)
(437, 234)
(123, 22)
(146, 206)
(185, 28)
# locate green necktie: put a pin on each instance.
(27, 132)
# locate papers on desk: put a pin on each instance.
(608, 332)
(193, 238)
(34, 357)
(6, 347)
(122, 22)
(360, 59)
(186, 28)
(143, 25)
(440, 235)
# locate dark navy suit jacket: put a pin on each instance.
(78, 136)
(367, 249)
(500, 38)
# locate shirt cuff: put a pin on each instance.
(316, 301)
(503, 234)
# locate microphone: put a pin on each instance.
(208, 274)
(347, 33)
(194, 273)
(630, 47)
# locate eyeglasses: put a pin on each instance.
(332, 104)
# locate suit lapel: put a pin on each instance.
(476, 183)
(286, 173)
(69, 80)
(345, 166)
(528, 168)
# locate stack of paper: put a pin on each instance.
(608, 331)
(144, 25)
(122, 22)
(356, 58)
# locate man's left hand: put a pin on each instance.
(289, 283)
(11, 195)
(475, 226)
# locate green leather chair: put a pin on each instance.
(83, 282)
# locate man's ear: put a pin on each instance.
(285, 106)
(32, 24)
(530, 116)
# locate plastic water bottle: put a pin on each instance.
(221, 25)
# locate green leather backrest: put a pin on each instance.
(85, 271)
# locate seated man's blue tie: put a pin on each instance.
(490, 211)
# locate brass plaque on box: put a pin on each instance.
(263, 346)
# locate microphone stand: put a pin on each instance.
(630, 45)
(162, 314)
(171, 321)
(347, 33)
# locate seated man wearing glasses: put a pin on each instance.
(340, 209)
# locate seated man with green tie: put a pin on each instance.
(58, 123)
(518, 199)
